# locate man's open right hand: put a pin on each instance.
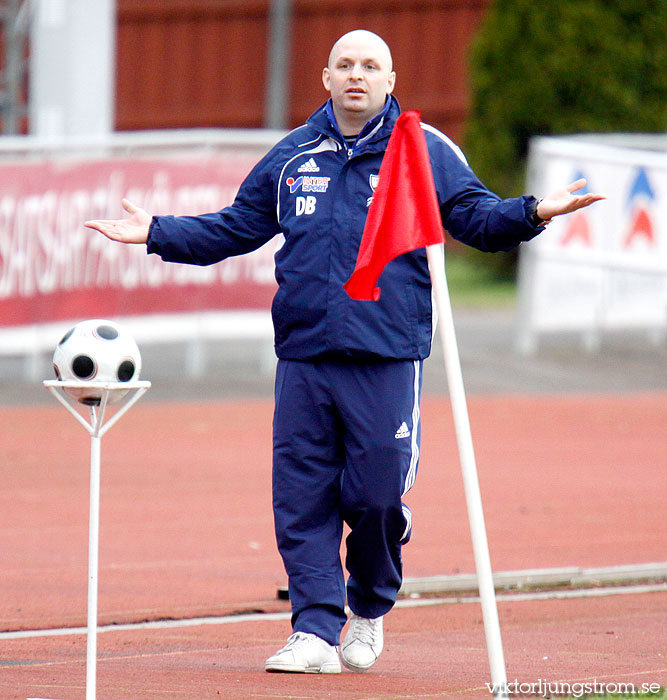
(131, 230)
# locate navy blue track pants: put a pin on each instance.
(345, 449)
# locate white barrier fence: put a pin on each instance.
(55, 272)
(603, 268)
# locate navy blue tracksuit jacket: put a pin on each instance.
(316, 190)
(346, 423)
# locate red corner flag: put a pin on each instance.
(404, 213)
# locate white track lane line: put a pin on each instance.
(404, 603)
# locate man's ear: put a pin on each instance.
(391, 83)
(326, 79)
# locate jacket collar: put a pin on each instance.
(378, 128)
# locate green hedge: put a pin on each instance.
(558, 67)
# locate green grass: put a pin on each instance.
(660, 695)
(473, 284)
(589, 690)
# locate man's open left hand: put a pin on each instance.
(565, 201)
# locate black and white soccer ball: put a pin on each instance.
(96, 351)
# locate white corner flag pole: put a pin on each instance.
(97, 429)
(436, 263)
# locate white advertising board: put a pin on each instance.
(602, 268)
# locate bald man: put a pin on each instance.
(359, 77)
(346, 428)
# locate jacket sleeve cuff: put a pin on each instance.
(164, 240)
(151, 243)
(530, 209)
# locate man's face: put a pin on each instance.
(359, 76)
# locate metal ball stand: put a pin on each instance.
(96, 428)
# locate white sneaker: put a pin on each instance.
(305, 653)
(363, 643)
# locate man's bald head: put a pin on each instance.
(361, 37)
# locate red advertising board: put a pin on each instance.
(53, 268)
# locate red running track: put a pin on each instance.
(186, 531)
